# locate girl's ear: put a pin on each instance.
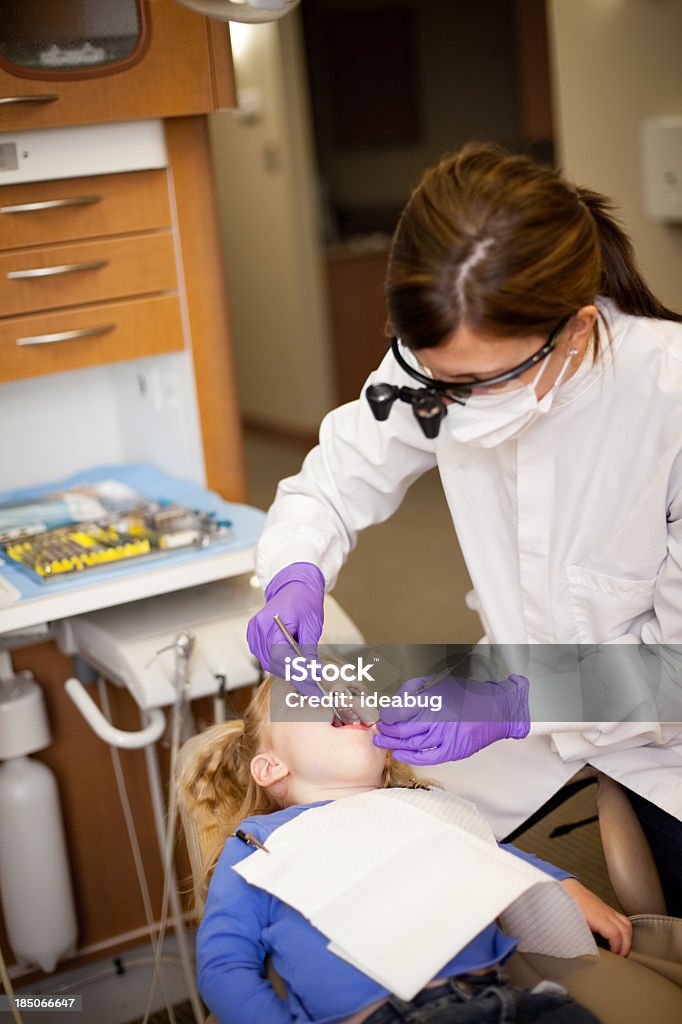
(267, 769)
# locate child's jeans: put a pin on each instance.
(483, 999)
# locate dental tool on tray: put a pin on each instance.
(346, 717)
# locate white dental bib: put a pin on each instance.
(373, 871)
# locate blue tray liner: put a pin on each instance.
(152, 483)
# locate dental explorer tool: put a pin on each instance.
(431, 682)
(427, 686)
(297, 650)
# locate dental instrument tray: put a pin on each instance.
(143, 529)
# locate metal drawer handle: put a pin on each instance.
(48, 97)
(49, 339)
(66, 268)
(51, 204)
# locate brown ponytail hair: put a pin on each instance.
(508, 247)
(620, 280)
(216, 790)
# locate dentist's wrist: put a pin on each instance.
(305, 573)
(516, 688)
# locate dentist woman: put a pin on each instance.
(536, 369)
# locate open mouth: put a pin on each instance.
(352, 723)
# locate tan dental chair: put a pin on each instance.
(615, 989)
(629, 861)
(648, 984)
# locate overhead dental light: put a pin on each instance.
(250, 11)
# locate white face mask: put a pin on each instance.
(488, 420)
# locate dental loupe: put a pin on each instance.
(428, 402)
(428, 407)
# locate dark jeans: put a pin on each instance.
(483, 999)
(664, 833)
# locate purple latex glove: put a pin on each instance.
(473, 715)
(296, 594)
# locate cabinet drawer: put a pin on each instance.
(70, 275)
(31, 346)
(61, 211)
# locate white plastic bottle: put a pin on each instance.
(35, 885)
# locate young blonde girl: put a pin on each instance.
(218, 789)
(257, 773)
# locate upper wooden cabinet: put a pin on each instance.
(181, 64)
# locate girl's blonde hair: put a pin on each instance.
(216, 789)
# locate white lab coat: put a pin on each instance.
(572, 533)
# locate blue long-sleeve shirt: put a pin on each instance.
(243, 924)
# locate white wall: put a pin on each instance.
(616, 62)
(266, 197)
(144, 410)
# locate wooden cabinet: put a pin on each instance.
(130, 267)
(111, 267)
(162, 292)
(186, 69)
(357, 309)
(120, 266)
(76, 287)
